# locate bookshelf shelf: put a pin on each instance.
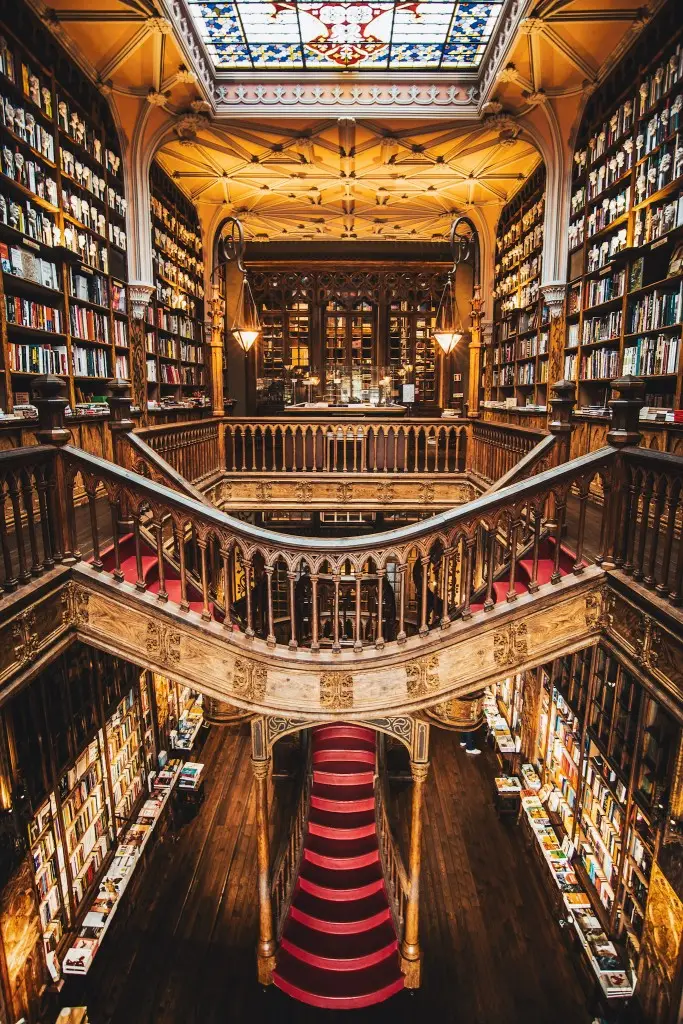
(637, 183)
(521, 333)
(62, 217)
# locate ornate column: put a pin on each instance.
(474, 382)
(487, 342)
(214, 330)
(625, 431)
(265, 949)
(553, 296)
(139, 295)
(411, 957)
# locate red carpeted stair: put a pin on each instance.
(339, 948)
(546, 561)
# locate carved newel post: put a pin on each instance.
(476, 315)
(625, 431)
(51, 402)
(119, 402)
(139, 294)
(215, 330)
(411, 956)
(265, 949)
(560, 418)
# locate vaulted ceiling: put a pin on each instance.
(341, 164)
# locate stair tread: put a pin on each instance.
(342, 820)
(338, 984)
(348, 878)
(341, 848)
(341, 911)
(342, 743)
(344, 795)
(344, 768)
(336, 946)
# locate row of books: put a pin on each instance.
(38, 359)
(83, 787)
(605, 288)
(602, 328)
(87, 325)
(120, 333)
(36, 315)
(21, 262)
(659, 308)
(89, 287)
(652, 356)
(600, 364)
(89, 362)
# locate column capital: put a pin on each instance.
(554, 296)
(260, 767)
(419, 770)
(139, 294)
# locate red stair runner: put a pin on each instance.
(338, 948)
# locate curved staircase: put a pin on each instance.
(339, 947)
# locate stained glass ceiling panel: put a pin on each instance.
(374, 36)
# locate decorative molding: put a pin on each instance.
(598, 608)
(344, 493)
(139, 295)
(553, 296)
(249, 679)
(510, 646)
(422, 675)
(500, 46)
(264, 491)
(277, 725)
(369, 96)
(25, 637)
(303, 492)
(163, 642)
(336, 690)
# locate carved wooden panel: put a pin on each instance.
(28, 634)
(656, 649)
(22, 941)
(660, 948)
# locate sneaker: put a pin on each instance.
(474, 750)
(463, 743)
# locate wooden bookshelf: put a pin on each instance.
(522, 331)
(411, 342)
(625, 272)
(176, 356)
(63, 307)
(126, 757)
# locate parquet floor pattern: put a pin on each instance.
(492, 952)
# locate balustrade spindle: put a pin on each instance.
(27, 497)
(424, 629)
(94, 530)
(24, 574)
(270, 640)
(293, 642)
(560, 510)
(379, 639)
(402, 574)
(445, 589)
(660, 495)
(315, 620)
(336, 646)
(581, 531)
(48, 560)
(358, 638)
(206, 610)
(514, 532)
(671, 508)
(11, 581)
(162, 594)
(638, 571)
(249, 632)
(140, 583)
(227, 587)
(469, 557)
(490, 570)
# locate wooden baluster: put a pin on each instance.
(445, 575)
(490, 569)
(27, 496)
(315, 614)
(206, 610)
(336, 646)
(676, 593)
(140, 581)
(560, 509)
(424, 628)
(514, 530)
(379, 639)
(184, 603)
(644, 526)
(265, 950)
(363, 448)
(581, 530)
(293, 642)
(24, 574)
(345, 447)
(249, 632)
(91, 491)
(270, 639)
(660, 494)
(48, 560)
(673, 494)
(402, 573)
(418, 433)
(227, 587)
(358, 638)
(11, 582)
(469, 557)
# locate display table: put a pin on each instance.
(185, 736)
(365, 410)
(191, 788)
(507, 795)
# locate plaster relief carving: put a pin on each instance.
(344, 493)
(336, 690)
(303, 492)
(422, 675)
(249, 679)
(511, 645)
(163, 642)
(25, 637)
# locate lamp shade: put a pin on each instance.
(246, 336)
(447, 340)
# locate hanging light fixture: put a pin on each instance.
(246, 326)
(449, 329)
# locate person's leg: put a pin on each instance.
(471, 746)
(463, 739)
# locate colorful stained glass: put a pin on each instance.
(329, 34)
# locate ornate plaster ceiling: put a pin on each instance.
(351, 179)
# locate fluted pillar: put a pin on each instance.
(411, 956)
(265, 949)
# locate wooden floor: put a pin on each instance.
(492, 952)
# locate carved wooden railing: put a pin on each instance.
(29, 515)
(496, 448)
(541, 457)
(346, 445)
(395, 872)
(193, 450)
(349, 593)
(286, 870)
